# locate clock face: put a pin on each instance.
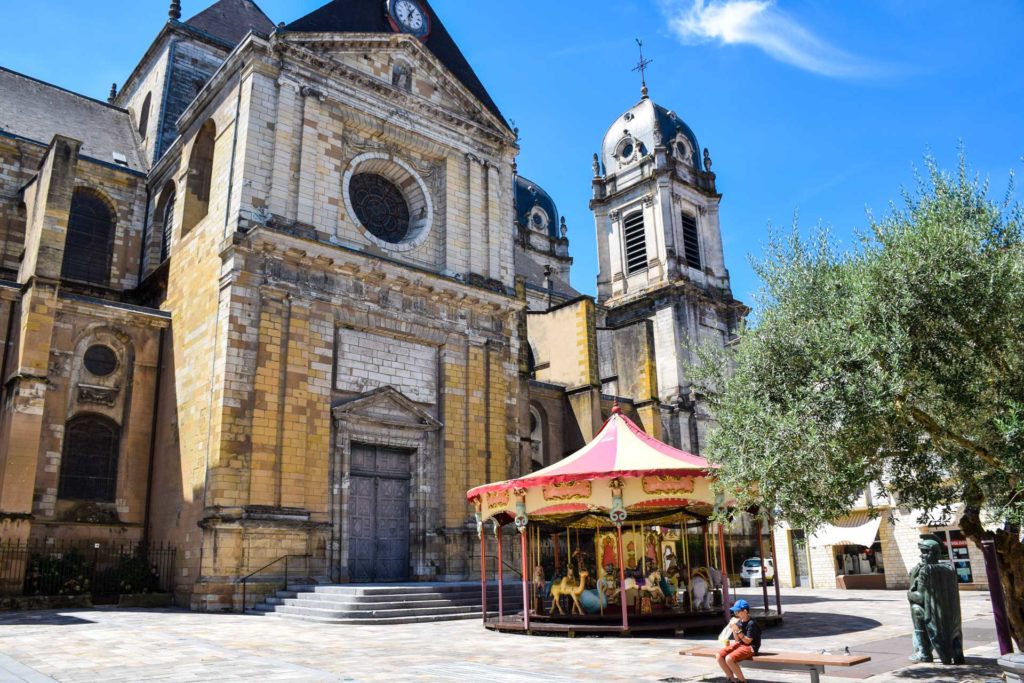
(408, 16)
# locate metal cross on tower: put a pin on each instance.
(642, 68)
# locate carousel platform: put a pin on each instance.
(610, 624)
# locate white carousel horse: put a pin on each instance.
(703, 583)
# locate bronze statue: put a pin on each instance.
(935, 607)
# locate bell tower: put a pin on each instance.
(655, 205)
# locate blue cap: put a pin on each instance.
(739, 606)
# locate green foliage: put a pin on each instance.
(58, 574)
(900, 362)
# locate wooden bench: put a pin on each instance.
(787, 661)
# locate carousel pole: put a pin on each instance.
(526, 591)
(707, 546)
(622, 579)
(643, 551)
(522, 521)
(725, 572)
(501, 580)
(760, 553)
(775, 561)
(555, 543)
(618, 516)
(483, 573)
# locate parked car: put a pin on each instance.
(750, 573)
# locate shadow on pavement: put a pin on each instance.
(816, 624)
(41, 619)
(976, 669)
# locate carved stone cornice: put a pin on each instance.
(322, 61)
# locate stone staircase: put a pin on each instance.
(405, 603)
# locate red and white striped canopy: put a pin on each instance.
(620, 449)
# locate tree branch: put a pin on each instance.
(938, 431)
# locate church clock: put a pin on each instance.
(408, 16)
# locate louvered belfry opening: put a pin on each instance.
(635, 238)
(88, 468)
(90, 239)
(691, 242)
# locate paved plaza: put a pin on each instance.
(176, 645)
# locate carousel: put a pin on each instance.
(616, 538)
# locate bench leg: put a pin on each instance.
(815, 672)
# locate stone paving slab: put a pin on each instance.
(175, 645)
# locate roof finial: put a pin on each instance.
(174, 13)
(615, 407)
(113, 93)
(642, 68)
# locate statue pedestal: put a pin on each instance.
(1013, 666)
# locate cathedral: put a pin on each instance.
(286, 293)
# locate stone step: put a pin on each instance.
(331, 613)
(396, 597)
(381, 621)
(315, 600)
(386, 603)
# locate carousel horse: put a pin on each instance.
(538, 587)
(652, 586)
(700, 592)
(702, 586)
(669, 588)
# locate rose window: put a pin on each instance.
(380, 206)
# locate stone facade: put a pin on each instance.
(258, 364)
(899, 531)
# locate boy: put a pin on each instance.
(744, 643)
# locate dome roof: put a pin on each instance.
(643, 127)
(535, 209)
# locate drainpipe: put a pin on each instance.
(234, 152)
(152, 440)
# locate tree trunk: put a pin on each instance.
(1010, 560)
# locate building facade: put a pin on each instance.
(286, 293)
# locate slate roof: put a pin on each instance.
(231, 20)
(369, 16)
(36, 110)
(528, 195)
(533, 273)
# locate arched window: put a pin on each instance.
(635, 239)
(144, 115)
(200, 177)
(90, 239)
(163, 219)
(88, 466)
(537, 439)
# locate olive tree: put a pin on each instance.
(898, 363)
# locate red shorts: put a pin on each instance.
(739, 651)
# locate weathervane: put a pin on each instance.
(642, 68)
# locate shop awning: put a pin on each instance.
(856, 528)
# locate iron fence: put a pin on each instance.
(101, 569)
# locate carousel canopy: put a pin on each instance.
(622, 462)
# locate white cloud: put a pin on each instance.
(761, 24)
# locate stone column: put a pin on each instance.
(49, 205)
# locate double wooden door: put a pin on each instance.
(378, 548)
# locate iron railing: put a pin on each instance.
(280, 573)
(101, 569)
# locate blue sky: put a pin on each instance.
(816, 107)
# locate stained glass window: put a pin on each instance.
(88, 468)
(380, 206)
